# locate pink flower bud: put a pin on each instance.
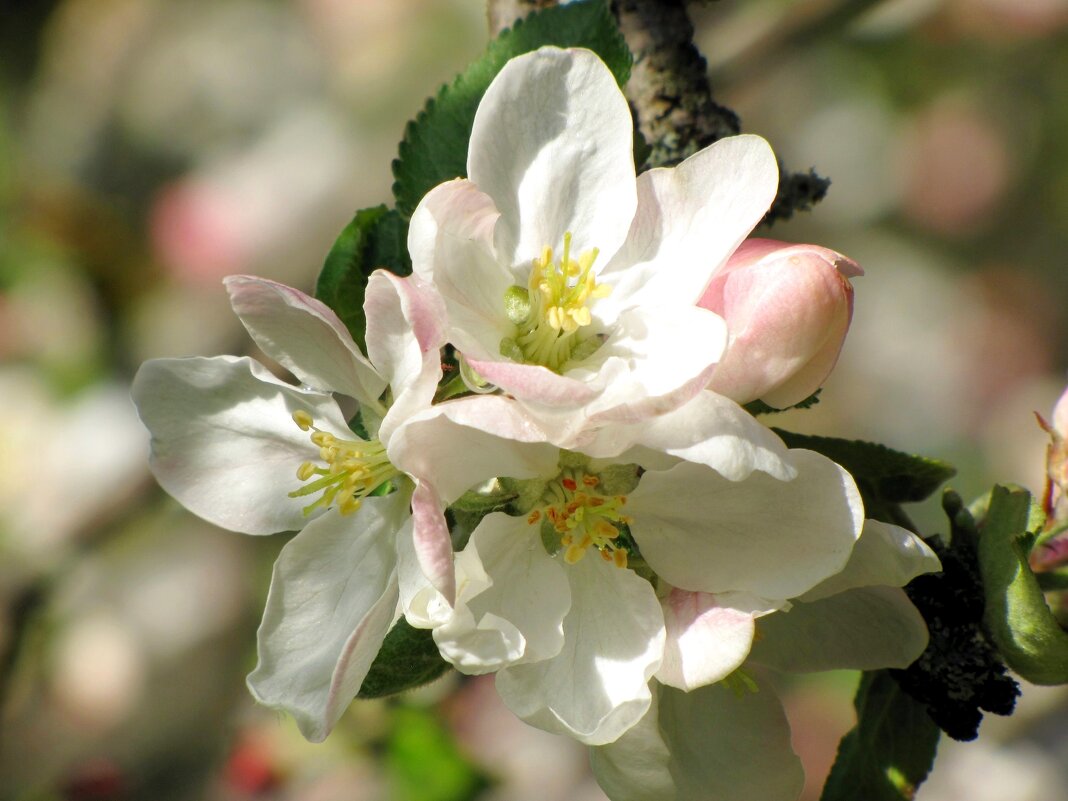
(787, 309)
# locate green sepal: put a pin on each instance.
(894, 476)
(434, 148)
(619, 479)
(889, 753)
(376, 237)
(510, 349)
(528, 492)
(586, 348)
(408, 658)
(483, 503)
(551, 539)
(1016, 615)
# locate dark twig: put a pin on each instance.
(669, 84)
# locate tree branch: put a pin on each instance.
(669, 85)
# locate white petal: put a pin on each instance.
(655, 360)
(775, 539)
(511, 599)
(705, 745)
(552, 145)
(459, 444)
(303, 335)
(332, 600)
(597, 687)
(224, 442)
(405, 332)
(884, 555)
(862, 629)
(689, 221)
(709, 430)
(708, 636)
(451, 242)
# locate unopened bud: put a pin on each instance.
(787, 309)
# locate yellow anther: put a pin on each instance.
(585, 519)
(354, 469)
(559, 292)
(574, 553)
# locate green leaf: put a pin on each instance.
(896, 477)
(758, 407)
(375, 238)
(1016, 614)
(434, 149)
(409, 658)
(889, 753)
(424, 763)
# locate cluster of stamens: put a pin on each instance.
(558, 294)
(354, 469)
(585, 518)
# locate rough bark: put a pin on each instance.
(669, 84)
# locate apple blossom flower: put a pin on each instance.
(247, 451)
(730, 740)
(787, 309)
(569, 282)
(564, 601)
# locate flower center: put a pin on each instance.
(354, 469)
(550, 313)
(580, 517)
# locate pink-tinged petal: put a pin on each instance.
(460, 444)
(709, 430)
(304, 336)
(708, 636)
(703, 745)
(511, 602)
(535, 384)
(224, 443)
(689, 220)
(405, 332)
(597, 687)
(788, 309)
(656, 360)
(333, 598)
(450, 239)
(774, 539)
(884, 555)
(552, 144)
(868, 628)
(431, 540)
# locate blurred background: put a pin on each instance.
(150, 147)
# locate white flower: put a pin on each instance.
(732, 743)
(568, 282)
(254, 454)
(565, 603)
